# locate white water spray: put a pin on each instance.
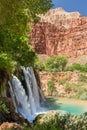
(28, 105)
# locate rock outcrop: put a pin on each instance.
(10, 126)
(60, 32)
(12, 116)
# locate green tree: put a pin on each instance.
(56, 63)
(15, 17)
(51, 86)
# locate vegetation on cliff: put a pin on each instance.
(15, 24)
(56, 63)
(15, 19)
(14, 27)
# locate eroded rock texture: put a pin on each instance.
(60, 32)
(12, 116)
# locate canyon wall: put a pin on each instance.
(60, 32)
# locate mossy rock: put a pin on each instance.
(10, 116)
(53, 120)
(60, 120)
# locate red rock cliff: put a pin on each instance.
(60, 32)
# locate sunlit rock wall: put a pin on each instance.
(60, 32)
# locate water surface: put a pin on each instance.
(76, 107)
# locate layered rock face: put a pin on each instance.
(60, 32)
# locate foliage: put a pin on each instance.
(61, 121)
(7, 66)
(76, 122)
(63, 81)
(51, 86)
(39, 65)
(77, 67)
(56, 63)
(15, 17)
(7, 63)
(18, 8)
(4, 108)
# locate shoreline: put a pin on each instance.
(70, 101)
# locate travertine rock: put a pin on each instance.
(60, 32)
(10, 126)
(71, 77)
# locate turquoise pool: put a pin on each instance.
(73, 108)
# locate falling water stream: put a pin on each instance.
(28, 105)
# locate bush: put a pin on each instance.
(56, 63)
(39, 65)
(75, 66)
(84, 68)
(78, 67)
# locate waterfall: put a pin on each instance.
(27, 104)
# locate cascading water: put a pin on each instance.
(28, 105)
(32, 87)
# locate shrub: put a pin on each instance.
(84, 68)
(78, 67)
(39, 65)
(75, 66)
(56, 63)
